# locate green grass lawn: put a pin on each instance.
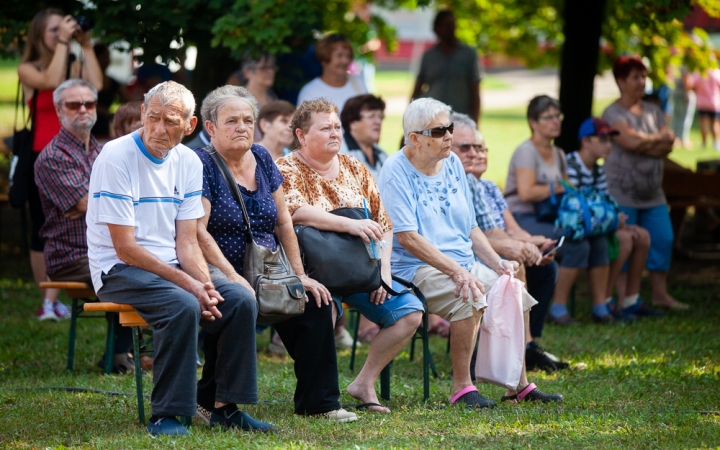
(648, 385)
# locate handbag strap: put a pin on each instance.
(232, 184)
(31, 117)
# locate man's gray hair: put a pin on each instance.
(169, 92)
(463, 120)
(420, 113)
(73, 82)
(220, 96)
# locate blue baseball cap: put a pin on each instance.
(595, 126)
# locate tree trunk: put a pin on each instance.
(578, 66)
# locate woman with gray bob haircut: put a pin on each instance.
(229, 115)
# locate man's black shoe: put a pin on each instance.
(538, 359)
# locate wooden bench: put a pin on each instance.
(81, 294)
(128, 318)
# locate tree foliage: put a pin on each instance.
(532, 31)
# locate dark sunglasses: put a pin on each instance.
(437, 132)
(74, 106)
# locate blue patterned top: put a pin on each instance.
(226, 224)
(483, 215)
(437, 207)
(495, 200)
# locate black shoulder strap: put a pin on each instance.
(230, 180)
(30, 119)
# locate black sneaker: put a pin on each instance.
(607, 319)
(538, 359)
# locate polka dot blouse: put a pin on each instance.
(226, 224)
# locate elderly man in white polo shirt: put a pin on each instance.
(142, 215)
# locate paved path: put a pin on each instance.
(523, 85)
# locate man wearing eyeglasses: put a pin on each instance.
(62, 174)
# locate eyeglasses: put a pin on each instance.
(74, 106)
(372, 115)
(437, 132)
(551, 117)
(464, 148)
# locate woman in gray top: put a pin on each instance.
(634, 170)
(536, 168)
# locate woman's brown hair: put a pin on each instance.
(35, 48)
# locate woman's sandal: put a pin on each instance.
(531, 393)
(471, 398)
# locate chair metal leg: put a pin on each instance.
(385, 382)
(355, 338)
(71, 343)
(138, 375)
(110, 343)
(412, 348)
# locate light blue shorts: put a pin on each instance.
(657, 221)
(386, 314)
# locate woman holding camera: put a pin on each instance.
(46, 63)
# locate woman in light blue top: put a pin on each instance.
(436, 240)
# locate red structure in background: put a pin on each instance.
(698, 18)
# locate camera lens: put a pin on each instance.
(85, 23)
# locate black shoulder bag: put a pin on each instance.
(21, 167)
(278, 290)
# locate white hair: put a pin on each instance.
(420, 113)
(169, 92)
(216, 99)
(71, 83)
(479, 136)
(463, 120)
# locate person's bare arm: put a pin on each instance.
(78, 209)
(530, 191)
(322, 220)
(656, 144)
(286, 234)
(512, 249)
(92, 73)
(419, 247)
(132, 254)
(211, 251)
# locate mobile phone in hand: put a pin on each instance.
(557, 246)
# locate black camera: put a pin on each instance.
(86, 24)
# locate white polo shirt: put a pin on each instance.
(129, 186)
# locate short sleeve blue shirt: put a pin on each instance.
(437, 207)
(226, 224)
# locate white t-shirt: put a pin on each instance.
(318, 88)
(129, 186)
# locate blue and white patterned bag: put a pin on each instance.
(586, 212)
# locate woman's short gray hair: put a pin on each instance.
(420, 113)
(216, 99)
(73, 82)
(169, 92)
(463, 120)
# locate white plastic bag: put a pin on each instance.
(501, 347)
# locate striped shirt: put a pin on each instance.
(62, 174)
(580, 176)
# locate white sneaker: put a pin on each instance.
(61, 310)
(47, 311)
(340, 416)
(343, 340)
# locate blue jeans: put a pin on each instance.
(386, 314)
(657, 221)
